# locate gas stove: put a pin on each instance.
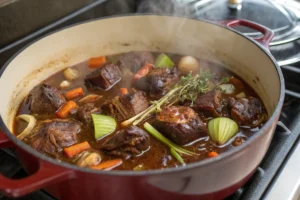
(278, 175)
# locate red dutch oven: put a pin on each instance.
(213, 178)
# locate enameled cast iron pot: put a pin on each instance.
(213, 178)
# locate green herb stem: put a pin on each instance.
(159, 103)
(131, 120)
(187, 89)
(177, 156)
(166, 141)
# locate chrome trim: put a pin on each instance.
(287, 185)
(292, 60)
(294, 94)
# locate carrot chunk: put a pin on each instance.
(123, 90)
(77, 92)
(64, 111)
(237, 83)
(76, 149)
(97, 62)
(212, 154)
(143, 71)
(108, 165)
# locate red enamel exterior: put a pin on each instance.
(267, 33)
(68, 183)
(72, 185)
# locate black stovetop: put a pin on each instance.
(282, 143)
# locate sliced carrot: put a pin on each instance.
(108, 165)
(212, 154)
(76, 149)
(77, 92)
(237, 83)
(97, 62)
(143, 71)
(123, 90)
(64, 111)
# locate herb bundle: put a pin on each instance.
(187, 89)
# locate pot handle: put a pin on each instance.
(46, 175)
(268, 34)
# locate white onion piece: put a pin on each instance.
(64, 84)
(188, 64)
(88, 159)
(222, 129)
(31, 123)
(71, 74)
(241, 95)
(227, 88)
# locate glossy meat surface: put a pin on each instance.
(114, 90)
(125, 106)
(209, 102)
(158, 81)
(45, 99)
(104, 77)
(180, 124)
(127, 142)
(50, 136)
(84, 112)
(247, 111)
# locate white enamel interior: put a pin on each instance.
(132, 33)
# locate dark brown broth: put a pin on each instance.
(158, 156)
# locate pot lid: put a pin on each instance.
(279, 15)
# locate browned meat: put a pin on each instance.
(180, 124)
(135, 60)
(209, 102)
(247, 111)
(84, 112)
(127, 142)
(45, 99)
(158, 81)
(134, 103)
(50, 136)
(125, 106)
(104, 77)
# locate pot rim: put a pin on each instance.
(190, 166)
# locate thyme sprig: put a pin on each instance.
(192, 86)
(187, 89)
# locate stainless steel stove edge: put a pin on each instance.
(286, 185)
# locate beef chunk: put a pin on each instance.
(210, 102)
(134, 103)
(247, 111)
(45, 99)
(158, 81)
(84, 112)
(135, 60)
(50, 136)
(105, 77)
(180, 124)
(125, 106)
(127, 142)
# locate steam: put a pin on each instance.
(174, 28)
(167, 7)
(182, 8)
